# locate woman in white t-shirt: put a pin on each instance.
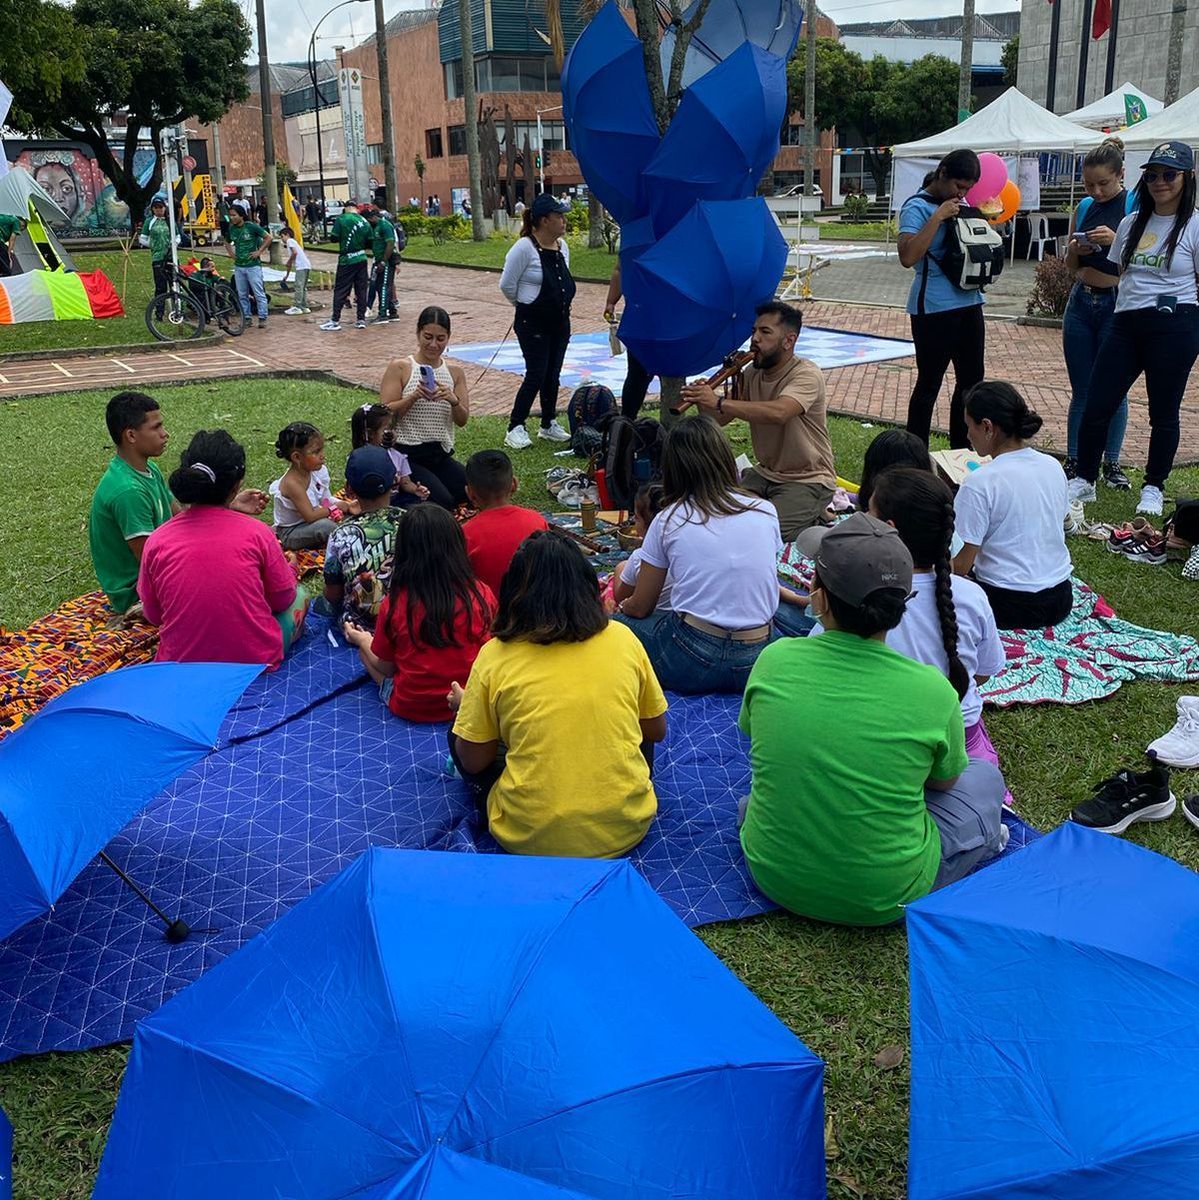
(1155, 329)
(720, 546)
(1010, 513)
(299, 263)
(428, 399)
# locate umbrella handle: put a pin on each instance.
(176, 930)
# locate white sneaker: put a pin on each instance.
(1180, 747)
(518, 438)
(330, 326)
(294, 312)
(1190, 569)
(1080, 490)
(1151, 500)
(553, 432)
(359, 324)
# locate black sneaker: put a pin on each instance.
(1190, 809)
(1127, 798)
(1115, 478)
(1070, 466)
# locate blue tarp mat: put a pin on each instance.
(262, 822)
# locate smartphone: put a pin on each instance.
(1082, 239)
(428, 378)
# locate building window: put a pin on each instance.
(792, 135)
(453, 80)
(374, 152)
(505, 73)
(553, 134)
(457, 139)
(433, 144)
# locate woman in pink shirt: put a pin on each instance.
(216, 581)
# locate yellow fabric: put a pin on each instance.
(575, 783)
(293, 218)
(68, 297)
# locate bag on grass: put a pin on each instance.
(590, 405)
(631, 455)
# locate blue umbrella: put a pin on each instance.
(609, 117)
(690, 299)
(772, 24)
(723, 136)
(84, 766)
(1055, 1027)
(463, 1017)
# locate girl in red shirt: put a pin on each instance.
(434, 620)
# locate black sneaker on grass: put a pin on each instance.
(1114, 477)
(1126, 798)
(1190, 810)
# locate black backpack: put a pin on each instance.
(590, 405)
(631, 455)
(401, 238)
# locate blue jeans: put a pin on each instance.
(690, 661)
(1086, 323)
(249, 281)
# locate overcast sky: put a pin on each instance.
(289, 26)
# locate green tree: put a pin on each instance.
(1009, 58)
(840, 79)
(38, 56)
(158, 62)
(283, 174)
(418, 165)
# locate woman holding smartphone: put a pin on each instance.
(1155, 329)
(428, 400)
(1092, 302)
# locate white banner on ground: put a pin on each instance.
(353, 120)
(5, 105)
(910, 173)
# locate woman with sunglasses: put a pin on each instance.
(1155, 329)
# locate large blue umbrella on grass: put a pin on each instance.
(76, 773)
(690, 298)
(466, 1026)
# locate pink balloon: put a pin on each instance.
(992, 176)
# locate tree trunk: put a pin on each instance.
(879, 165)
(595, 223)
(469, 108)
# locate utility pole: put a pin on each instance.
(1055, 25)
(270, 183)
(966, 73)
(218, 172)
(810, 130)
(470, 111)
(1178, 17)
(389, 150)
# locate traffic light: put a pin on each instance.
(545, 158)
(537, 160)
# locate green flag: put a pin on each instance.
(1134, 109)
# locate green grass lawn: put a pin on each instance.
(842, 991)
(847, 231)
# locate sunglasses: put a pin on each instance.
(1164, 176)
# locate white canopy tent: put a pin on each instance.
(1178, 123)
(1112, 111)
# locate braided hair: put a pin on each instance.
(920, 506)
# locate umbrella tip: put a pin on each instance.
(177, 931)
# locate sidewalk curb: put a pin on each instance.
(207, 339)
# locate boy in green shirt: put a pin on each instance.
(851, 822)
(157, 232)
(10, 226)
(245, 246)
(353, 235)
(383, 279)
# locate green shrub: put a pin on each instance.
(857, 207)
(1052, 288)
(578, 220)
(455, 228)
(413, 220)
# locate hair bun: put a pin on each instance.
(1030, 424)
(1112, 140)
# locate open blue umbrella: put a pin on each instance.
(609, 117)
(690, 298)
(723, 136)
(772, 24)
(78, 772)
(468, 1019)
(1055, 1027)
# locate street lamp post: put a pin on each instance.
(541, 143)
(316, 100)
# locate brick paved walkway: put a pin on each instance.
(1030, 357)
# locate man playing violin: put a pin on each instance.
(782, 398)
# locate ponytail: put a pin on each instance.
(365, 420)
(920, 506)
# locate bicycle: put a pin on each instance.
(190, 303)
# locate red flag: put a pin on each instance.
(1101, 22)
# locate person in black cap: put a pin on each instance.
(1155, 329)
(359, 554)
(850, 823)
(537, 280)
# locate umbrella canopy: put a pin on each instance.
(608, 114)
(1055, 1027)
(690, 298)
(1125, 105)
(85, 765)
(723, 136)
(773, 25)
(466, 1016)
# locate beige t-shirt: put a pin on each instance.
(798, 451)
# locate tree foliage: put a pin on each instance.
(1009, 58)
(158, 62)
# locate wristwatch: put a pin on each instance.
(720, 402)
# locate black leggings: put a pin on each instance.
(957, 336)
(1164, 347)
(544, 348)
(1029, 610)
(636, 384)
(438, 470)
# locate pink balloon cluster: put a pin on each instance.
(991, 180)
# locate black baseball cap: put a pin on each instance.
(1172, 154)
(546, 204)
(858, 556)
(370, 472)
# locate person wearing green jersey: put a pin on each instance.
(10, 226)
(157, 235)
(383, 280)
(354, 236)
(245, 246)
